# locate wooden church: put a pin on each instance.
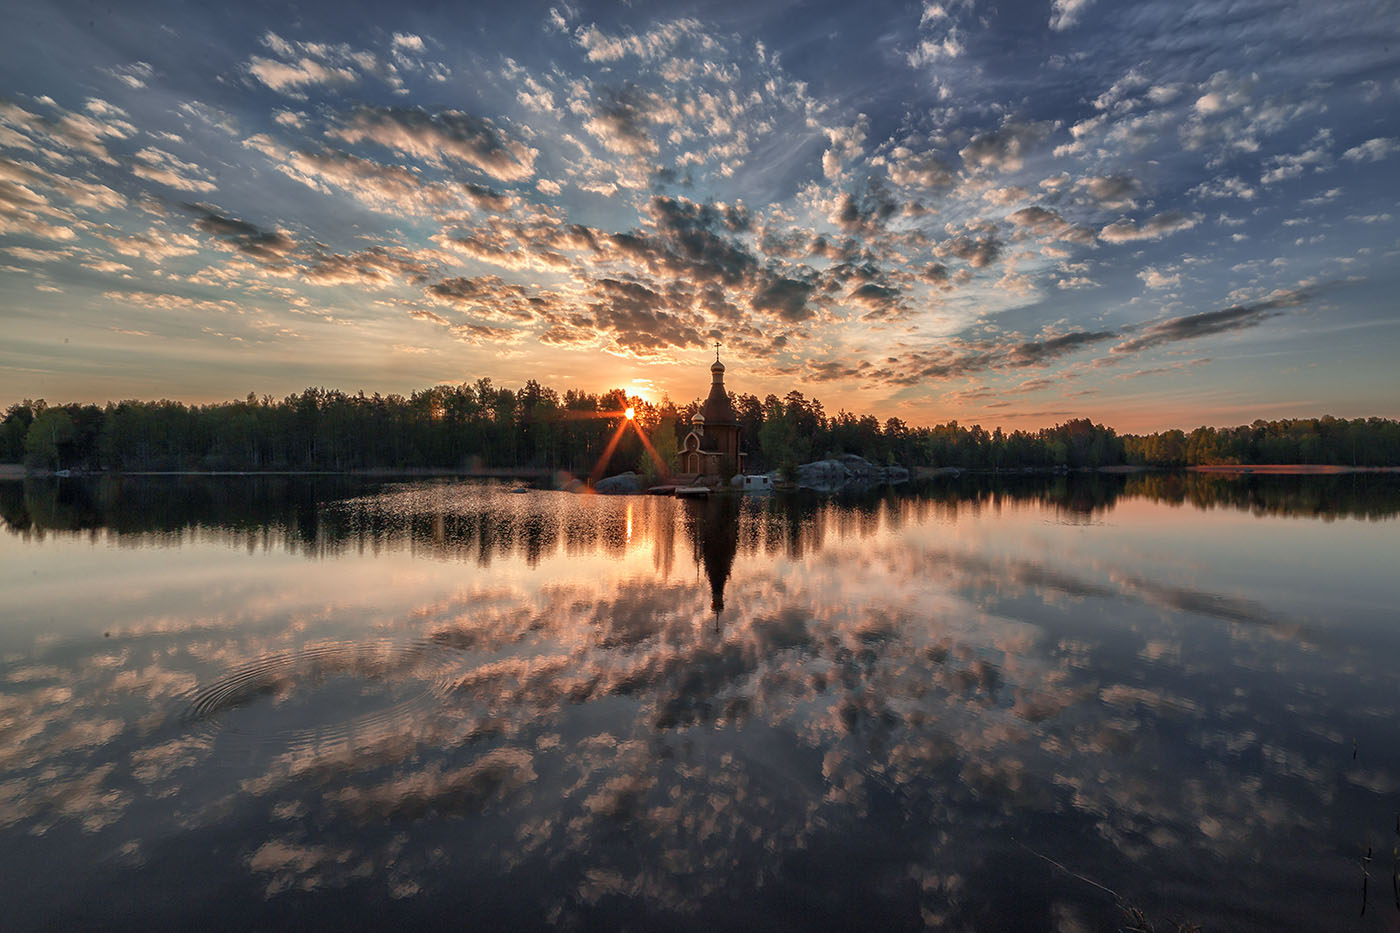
(714, 445)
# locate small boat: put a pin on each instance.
(692, 492)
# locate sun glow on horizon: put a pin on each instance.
(630, 413)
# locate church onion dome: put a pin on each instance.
(716, 367)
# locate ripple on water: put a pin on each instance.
(322, 693)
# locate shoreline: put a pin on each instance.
(1289, 469)
(16, 471)
(1267, 469)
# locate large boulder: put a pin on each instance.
(823, 475)
(848, 471)
(620, 484)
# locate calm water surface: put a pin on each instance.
(255, 702)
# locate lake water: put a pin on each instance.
(977, 704)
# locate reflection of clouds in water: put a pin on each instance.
(49, 797)
(601, 732)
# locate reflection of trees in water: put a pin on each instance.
(282, 508)
(1345, 495)
(328, 515)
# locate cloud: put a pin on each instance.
(920, 170)
(160, 166)
(534, 95)
(864, 213)
(74, 131)
(978, 252)
(376, 267)
(153, 246)
(519, 246)
(435, 137)
(786, 297)
(291, 76)
(1163, 224)
(135, 75)
(935, 273)
(38, 255)
(846, 145)
(1224, 188)
(1372, 150)
(1291, 166)
(480, 334)
(388, 188)
(1037, 352)
(957, 358)
(109, 266)
(1209, 323)
(24, 210)
(643, 320)
(650, 45)
(19, 180)
(1004, 149)
(1065, 13)
(263, 245)
(1111, 191)
(1045, 222)
(617, 123)
(936, 48)
(692, 243)
(423, 314)
(488, 296)
(1155, 278)
(213, 116)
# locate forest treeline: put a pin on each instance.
(479, 425)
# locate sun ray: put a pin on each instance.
(661, 467)
(597, 472)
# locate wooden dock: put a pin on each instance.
(692, 492)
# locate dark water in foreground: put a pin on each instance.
(259, 702)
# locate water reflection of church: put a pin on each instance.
(713, 527)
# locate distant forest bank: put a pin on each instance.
(481, 427)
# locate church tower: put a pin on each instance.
(714, 445)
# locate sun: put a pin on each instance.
(630, 413)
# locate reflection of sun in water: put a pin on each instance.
(630, 413)
(629, 512)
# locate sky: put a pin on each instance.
(1154, 214)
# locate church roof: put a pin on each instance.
(717, 409)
